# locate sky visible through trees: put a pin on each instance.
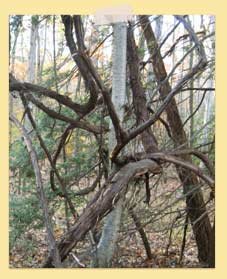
(110, 116)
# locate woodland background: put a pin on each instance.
(113, 119)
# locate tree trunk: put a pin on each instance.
(53, 249)
(103, 202)
(142, 234)
(32, 52)
(107, 243)
(12, 65)
(195, 202)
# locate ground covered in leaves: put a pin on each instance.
(30, 250)
(130, 252)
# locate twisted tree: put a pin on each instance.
(133, 129)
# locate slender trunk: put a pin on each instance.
(142, 234)
(39, 73)
(13, 52)
(44, 52)
(13, 57)
(54, 56)
(209, 98)
(53, 249)
(195, 202)
(158, 28)
(139, 99)
(31, 73)
(212, 251)
(32, 52)
(139, 102)
(107, 243)
(191, 102)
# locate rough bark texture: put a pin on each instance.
(77, 55)
(139, 99)
(103, 202)
(109, 198)
(195, 202)
(212, 252)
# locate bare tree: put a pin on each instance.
(137, 123)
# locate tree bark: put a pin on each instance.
(53, 249)
(195, 202)
(107, 243)
(103, 202)
(142, 234)
(31, 74)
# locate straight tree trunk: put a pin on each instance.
(191, 100)
(32, 60)
(32, 52)
(44, 53)
(107, 243)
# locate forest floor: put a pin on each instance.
(31, 251)
(130, 253)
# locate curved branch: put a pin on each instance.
(82, 124)
(52, 245)
(103, 202)
(199, 155)
(89, 81)
(26, 87)
(91, 188)
(63, 192)
(162, 157)
(184, 164)
(88, 71)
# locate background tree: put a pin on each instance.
(140, 137)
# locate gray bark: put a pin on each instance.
(158, 28)
(191, 100)
(102, 203)
(195, 203)
(44, 54)
(13, 55)
(53, 250)
(209, 98)
(32, 51)
(32, 61)
(107, 243)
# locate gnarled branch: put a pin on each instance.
(103, 202)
